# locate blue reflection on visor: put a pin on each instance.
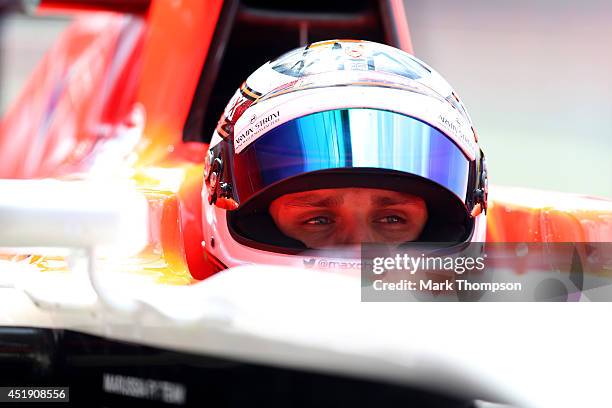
(348, 138)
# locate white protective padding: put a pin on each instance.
(73, 214)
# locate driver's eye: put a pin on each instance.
(319, 221)
(391, 219)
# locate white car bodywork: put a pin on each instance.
(530, 354)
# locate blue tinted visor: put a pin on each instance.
(350, 138)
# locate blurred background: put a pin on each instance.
(535, 76)
(23, 41)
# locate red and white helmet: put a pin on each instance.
(339, 113)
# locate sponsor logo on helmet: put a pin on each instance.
(258, 125)
(354, 51)
(453, 125)
(324, 263)
(456, 128)
(309, 263)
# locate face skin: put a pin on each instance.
(348, 216)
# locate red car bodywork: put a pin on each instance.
(113, 72)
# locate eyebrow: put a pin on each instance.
(314, 200)
(387, 201)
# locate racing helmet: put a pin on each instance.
(333, 114)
